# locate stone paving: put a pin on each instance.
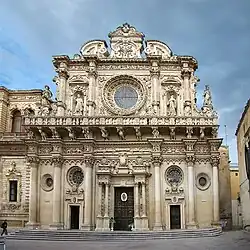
(228, 241)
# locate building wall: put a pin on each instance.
(243, 135)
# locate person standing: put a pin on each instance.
(4, 227)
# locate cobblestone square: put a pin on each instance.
(228, 241)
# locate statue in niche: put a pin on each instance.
(46, 96)
(79, 105)
(172, 105)
(207, 97)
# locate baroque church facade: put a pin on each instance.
(122, 141)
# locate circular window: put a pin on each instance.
(126, 97)
(174, 175)
(47, 182)
(75, 176)
(203, 181)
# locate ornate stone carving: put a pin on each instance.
(43, 135)
(174, 176)
(46, 96)
(71, 134)
(95, 48)
(55, 134)
(190, 159)
(215, 160)
(202, 133)
(215, 132)
(126, 42)
(172, 105)
(79, 107)
(12, 207)
(157, 48)
(57, 161)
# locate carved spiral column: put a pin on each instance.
(33, 162)
(191, 202)
(157, 194)
(56, 211)
(88, 194)
(216, 207)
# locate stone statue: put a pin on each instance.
(31, 134)
(71, 134)
(43, 135)
(172, 133)
(79, 105)
(202, 133)
(104, 133)
(207, 97)
(46, 96)
(172, 105)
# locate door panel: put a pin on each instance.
(74, 217)
(175, 217)
(124, 208)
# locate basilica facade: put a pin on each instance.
(122, 145)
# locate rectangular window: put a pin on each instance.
(13, 191)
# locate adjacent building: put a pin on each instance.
(123, 139)
(243, 146)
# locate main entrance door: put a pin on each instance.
(175, 217)
(124, 208)
(74, 217)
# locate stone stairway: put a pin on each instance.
(73, 235)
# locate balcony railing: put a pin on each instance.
(119, 121)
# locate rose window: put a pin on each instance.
(174, 175)
(75, 176)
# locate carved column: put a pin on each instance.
(136, 206)
(62, 93)
(92, 74)
(106, 214)
(56, 211)
(216, 207)
(144, 217)
(155, 75)
(33, 162)
(99, 219)
(191, 202)
(157, 194)
(88, 194)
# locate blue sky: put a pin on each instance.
(215, 32)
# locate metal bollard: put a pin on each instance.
(2, 243)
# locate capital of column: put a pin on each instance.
(57, 161)
(186, 73)
(33, 160)
(104, 180)
(63, 73)
(215, 160)
(157, 160)
(190, 159)
(89, 161)
(155, 71)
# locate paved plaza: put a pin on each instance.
(228, 241)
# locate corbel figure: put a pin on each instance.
(120, 132)
(202, 133)
(155, 132)
(189, 132)
(71, 134)
(104, 133)
(138, 133)
(43, 135)
(172, 133)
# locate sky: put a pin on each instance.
(215, 32)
